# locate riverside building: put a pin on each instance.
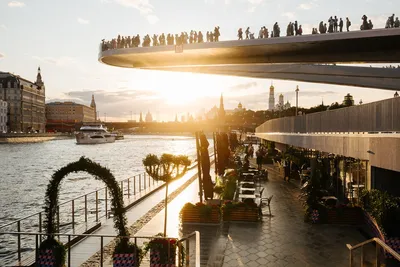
(63, 116)
(26, 102)
(3, 116)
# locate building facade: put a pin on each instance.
(26, 102)
(63, 116)
(271, 105)
(3, 116)
(149, 117)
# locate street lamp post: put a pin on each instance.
(297, 98)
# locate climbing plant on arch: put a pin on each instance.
(117, 203)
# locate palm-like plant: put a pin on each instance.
(166, 169)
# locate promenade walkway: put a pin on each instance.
(284, 239)
(89, 246)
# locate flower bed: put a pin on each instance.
(240, 212)
(200, 213)
(345, 215)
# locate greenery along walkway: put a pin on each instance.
(285, 239)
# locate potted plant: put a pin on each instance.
(163, 251)
(51, 253)
(200, 213)
(127, 253)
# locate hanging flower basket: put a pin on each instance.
(200, 213)
(248, 212)
(162, 252)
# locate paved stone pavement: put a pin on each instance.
(284, 239)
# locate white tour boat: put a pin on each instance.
(94, 134)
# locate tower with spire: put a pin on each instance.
(141, 117)
(39, 82)
(221, 111)
(271, 104)
(93, 106)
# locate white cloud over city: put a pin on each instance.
(2, 55)
(82, 21)
(16, 4)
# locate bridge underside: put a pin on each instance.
(379, 46)
(327, 74)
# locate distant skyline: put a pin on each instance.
(62, 37)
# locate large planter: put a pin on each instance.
(346, 215)
(163, 252)
(195, 216)
(125, 260)
(246, 214)
(46, 258)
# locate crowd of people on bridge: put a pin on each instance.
(333, 25)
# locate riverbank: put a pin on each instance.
(31, 138)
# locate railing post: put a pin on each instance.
(187, 253)
(58, 221)
(19, 240)
(351, 258)
(73, 213)
(134, 185)
(85, 208)
(140, 182)
(377, 252)
(105, 194)
(40, 225)
(129, 188)
(36, 247)
(144, 181)
(101, 251)
(97, 206)
(148, 178)
(69, 250)
(362, 256)
(122, 188)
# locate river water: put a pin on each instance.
(25, 169)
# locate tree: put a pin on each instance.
(166, 168)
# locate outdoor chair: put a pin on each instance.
(266, 202)
(259, 195)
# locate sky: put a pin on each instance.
(62, 37)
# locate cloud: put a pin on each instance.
(16, 4)
(60, 61)
(143, 6)
(289, 15)
(305, 6)
(4, 27)
(2, 55)
(83, 21)
(243, 86)
(152, 19)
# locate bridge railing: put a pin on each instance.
(376, 117)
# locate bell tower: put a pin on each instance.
(39, 82)
(93, 105)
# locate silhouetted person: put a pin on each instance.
(295, 27)
(300, 31)
(247, 32)
(240, 34)
(348, 24)
(335, 24)
(392, 21)
(216, 34)
(341, 25)
(397, 23)
(200, 37)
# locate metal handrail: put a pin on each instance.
(180, 242)
(380, 242)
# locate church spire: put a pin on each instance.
(39, 82)
(221, 112)
(93, 106)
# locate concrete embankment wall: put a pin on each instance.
(20, 138)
